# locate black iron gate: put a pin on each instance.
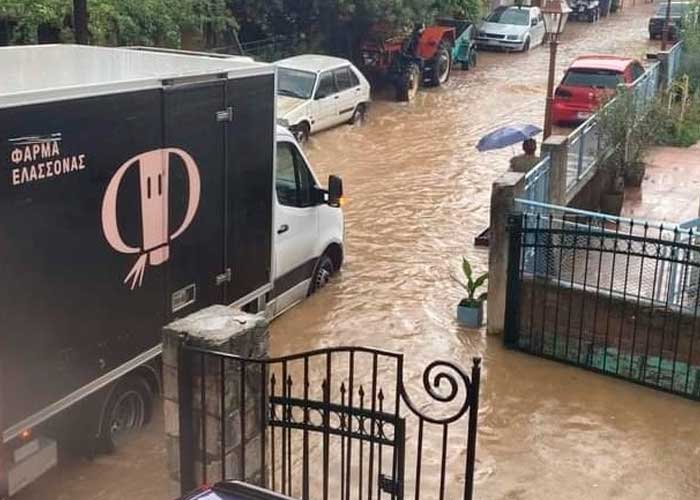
(607, 294)
(333, 423)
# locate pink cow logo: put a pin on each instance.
(154, 167)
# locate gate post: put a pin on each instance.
(557, 147)
(512, 313)
(503, 193)
(214, 425)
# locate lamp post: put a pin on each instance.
(554, 20)
(667, 22)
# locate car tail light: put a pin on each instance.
(563, 94)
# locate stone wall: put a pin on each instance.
(232, 450)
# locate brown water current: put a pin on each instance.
(418, 193)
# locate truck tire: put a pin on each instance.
(409, 82)
(128, 409)
(322, 275)
(441, 65)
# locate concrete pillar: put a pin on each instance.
(503, 193)
(222, 329)
(557, 146)
(662, 57)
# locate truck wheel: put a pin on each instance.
(407, 87)
(301, 132)
(322, 275)
(128, 409)
(441, 65)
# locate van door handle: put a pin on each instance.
(283, 229)
(337, 97)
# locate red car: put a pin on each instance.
(588, 82)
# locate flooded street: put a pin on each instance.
(417, 194)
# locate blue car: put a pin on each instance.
(234, 491)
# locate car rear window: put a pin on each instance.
(592, 78)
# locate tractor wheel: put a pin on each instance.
(441, 65)
(407, 87)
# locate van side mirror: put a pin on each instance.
(335, 190)
(533, 22)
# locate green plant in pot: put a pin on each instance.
(470, 311)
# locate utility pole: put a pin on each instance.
(80, 21)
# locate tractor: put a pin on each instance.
(422, 57)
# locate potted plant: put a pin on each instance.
(612, 199)
(470, 311)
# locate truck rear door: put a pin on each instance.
(194, 140)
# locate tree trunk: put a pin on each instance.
(80, 21)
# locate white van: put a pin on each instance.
(309, 227)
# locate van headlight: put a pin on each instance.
(513, 37)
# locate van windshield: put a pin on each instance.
(295, 83)
(603, 79)
(512, 15)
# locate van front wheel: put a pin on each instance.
(322, 275)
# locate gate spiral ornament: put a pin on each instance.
(439, 374)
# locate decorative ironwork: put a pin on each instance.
(336, 423)
(612, 295)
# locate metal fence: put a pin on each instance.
(610, 294)
(537, 181)
(587, 149)
(673, 62)
(338, 423)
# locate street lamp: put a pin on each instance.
(555, 13)
(667, 23)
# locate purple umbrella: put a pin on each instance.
(507, 136)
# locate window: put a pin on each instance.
(343, 80)
(510, 15)
(637, 71)
(353, 78)
(294, 184)
(603, 79)
(293, 83)
(326, 85)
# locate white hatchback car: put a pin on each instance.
(315, 92)
(512, 28)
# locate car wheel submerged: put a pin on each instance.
(301, 132)
(359, 115)
(322, 275)
(526, 45)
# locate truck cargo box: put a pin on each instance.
(136, 186)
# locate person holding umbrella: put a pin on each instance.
(524, 162)
(512, 134)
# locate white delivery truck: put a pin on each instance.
(136, 186)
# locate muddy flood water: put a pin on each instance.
(418, 193)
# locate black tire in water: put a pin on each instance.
(128, 409)
(359, 115)
(301, 132)
(441, 65)
(409, 83)
(526, 45)
(322, 275)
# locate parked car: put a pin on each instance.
(588, 82)
(585, 10)
(315, 92)
(512, 28)
(679, 12)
